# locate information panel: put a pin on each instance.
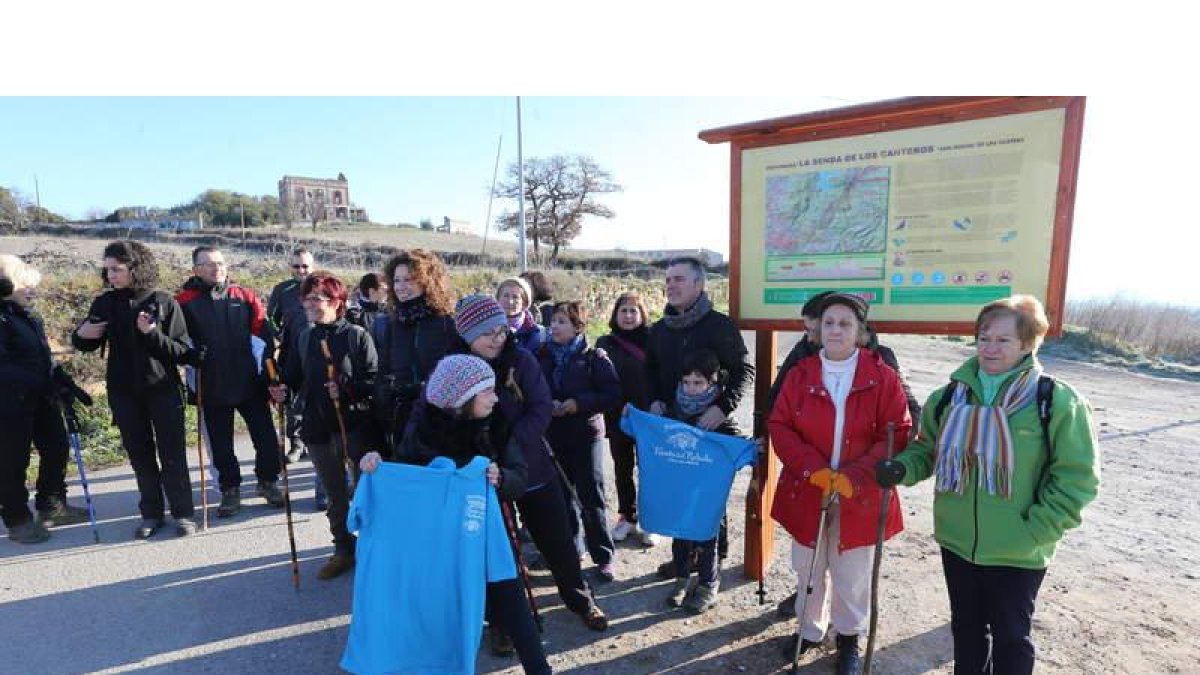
(927, 223)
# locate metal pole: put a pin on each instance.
(521, 194)
(487, 222)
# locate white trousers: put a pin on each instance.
(847, 577)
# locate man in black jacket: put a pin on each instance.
(286, 312)
(229, 324)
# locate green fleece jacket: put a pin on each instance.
(1049, 489)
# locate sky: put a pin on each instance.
(409, 158)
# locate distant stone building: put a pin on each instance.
(302, 199)
(455, 226)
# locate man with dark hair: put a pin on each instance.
(286, 312)
(229, 324)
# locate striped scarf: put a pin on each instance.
(978, 436)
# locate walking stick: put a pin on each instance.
(511, 527)
(273, 377)
(200, 447)
(73, 433)
(883, 512)
(808, 589)
(331, 376)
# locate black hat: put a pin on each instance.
(853, 302)
(812, 308)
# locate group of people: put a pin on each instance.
(395, 370)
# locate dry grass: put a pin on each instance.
(1158, 331)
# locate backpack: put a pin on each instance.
(1045, 399)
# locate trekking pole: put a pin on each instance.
(273, 377)
(511, 527)
(200, 447)
(885, 501)
(331, 376)
(73, 433)
(808, 589)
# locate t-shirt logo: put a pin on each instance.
(473, 515)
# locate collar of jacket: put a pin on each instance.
(866, 375)
(968, 373)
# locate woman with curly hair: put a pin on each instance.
(417, 331)
(144, 330)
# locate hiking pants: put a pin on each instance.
(508, 608)
(45, 430)
(152, 431)
(584, 468)
(546, 515)
(328, 459)
(705, 552)
(624, 455)
(218, 422)
(995, 600)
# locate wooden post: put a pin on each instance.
(760, 529)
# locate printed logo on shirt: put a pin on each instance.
(474, 514)
(681, 449)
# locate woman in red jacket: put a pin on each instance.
(829, 428)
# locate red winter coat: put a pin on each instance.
(802, 426)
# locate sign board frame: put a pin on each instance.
(896, 115)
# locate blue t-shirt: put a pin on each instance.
(684, 474)
(429, 539)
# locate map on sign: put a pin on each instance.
(827, 224)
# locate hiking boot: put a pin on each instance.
(29, 532)
(147, 528)
(849, 661)
(623, 529)
(231, 502)
(702, 599)
(337, 565)
(499, 642)
(269, 491)
(786, 609)
(789, 647)
(678, 593)
(185, 527)
(595, 618)
(61, 513)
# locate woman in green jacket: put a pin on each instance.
(1010, 480)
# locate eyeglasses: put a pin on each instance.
(316, 299)
(300, 267)
(214, 263)
(498, 332)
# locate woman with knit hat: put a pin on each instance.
(522, 416)
(516, 299)
(1015, 460)
(457, 421)
(829, 429)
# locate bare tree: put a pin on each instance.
(560, 191)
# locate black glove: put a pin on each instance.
(194, 356)
(888, 473)
(68, 391)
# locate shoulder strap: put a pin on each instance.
(1045, 402)
(947, 396)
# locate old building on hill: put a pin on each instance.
(322, 199)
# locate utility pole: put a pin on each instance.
(37, 193)
(242, 206)
(521, 193)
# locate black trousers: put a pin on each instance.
(152, 432)
(703, 553)
(547, 517)
(584, 469)
(508, 608)
(218, 422)
(44, 429)
(624, 455)
(995, 600)
(294, 417)
(328, 457)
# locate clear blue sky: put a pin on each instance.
(413, 158)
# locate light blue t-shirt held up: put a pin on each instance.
(429, 540)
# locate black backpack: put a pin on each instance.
(1045, 399)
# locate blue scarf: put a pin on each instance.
(561, 354)
(691, 406)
